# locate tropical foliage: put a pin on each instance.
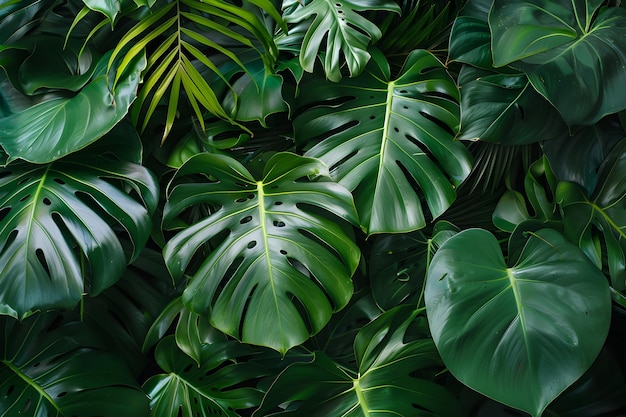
(312, 208)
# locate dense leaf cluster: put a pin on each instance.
(312, 208)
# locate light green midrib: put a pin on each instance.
(33, 384)
(520, 312)
(360, 397)
(383, 143)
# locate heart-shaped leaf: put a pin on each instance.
(62, 224)
(345, 31)
(600, 216)
(50, 366)
(571, 50)
(392, 379)
(279, 265)
(389, 141)
(217, 386)
(505, 109)
(519, 334)
(57, 127)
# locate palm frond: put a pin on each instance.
(184, 38)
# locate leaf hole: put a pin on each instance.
(439, 94)
(61, 394)
(336, 130)
(395, 129)
(10, 391)
(188, 367)
(4, 212)
(245, 220)
(41, 257)
(47, 201)
(302, 311)
(27, 405)
(251, 244)
(9, 241)
(343, 160)
(403, 91)
(283, 252)
(241, 200)
(244, 313)
(278, 223)
(26, 197)
(438, 122)
(278, 203)
(58, 181)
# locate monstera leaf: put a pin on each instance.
(344, 29)
(57, 127)
(505, 109)
(219, 385)
(389, 141)
(278, 265)
(571, 50)
(63, 224)
(521, 334)
(470, 37)
(392, 379)
(600, 216)
(55, 367)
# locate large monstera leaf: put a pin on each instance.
(391, 142)
(216, 386)
(277, 265)
(63, 224)
(51, 366)
(57, 127)
(521, 334)
(571, 50)
(344, 29)
(395, 372)
(600, 216)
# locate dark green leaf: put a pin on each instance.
(597, 222)
(345, 30)
(521, 334)
(571, 51)
(51, 367)
(280, 266)
(218, 386)
(394, 377)
(470, 39)
(505, 109)
(57, 127)
(389, 141)
(61, 226)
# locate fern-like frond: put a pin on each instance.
(184, 39)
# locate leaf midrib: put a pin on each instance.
(31, 382)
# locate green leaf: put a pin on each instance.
(280, 265)
(470, 39)
(600, 216)
(345, 30)
(521, 334)
(392, 379)
(109, 8)
(505, 109)
(219, 385)
(391, 142)
(61, 226)
(53, 367)
(54, 128)
(17, 18)
(571, 51)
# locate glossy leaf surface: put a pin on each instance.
(52, 367)
(600, 216)
(345, 31)
(218, 385)
(390, 141)
(505, 109)
(280, 266)
(62, 223)
(572, 52)
(57, 127)
(521, 334)
(391, 379)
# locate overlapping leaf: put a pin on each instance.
(218, 385)
(521, 334)
(392, 378)
(279, 266)
(51, 367)
(391, 142)
(345, 30)
(186, 35)
(54, 128)
(572, 52)
(597, 221)
(62, 224)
